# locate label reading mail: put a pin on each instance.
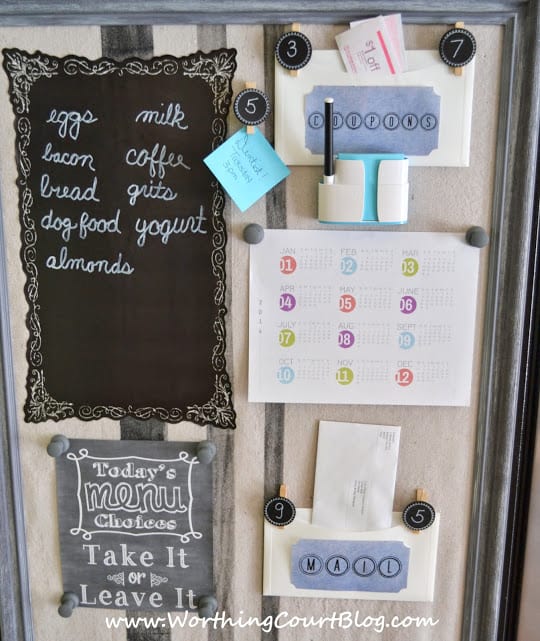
(360, 566)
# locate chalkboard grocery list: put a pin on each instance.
(123, 238)
(135, 521)
(362, 318)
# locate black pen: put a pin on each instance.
(328, 177)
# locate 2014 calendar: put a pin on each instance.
(379, 318)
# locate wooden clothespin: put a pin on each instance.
(421, 495)
(458, 71)
(282, 495)
(419, 514)
(280, 510)
(294, 27)
(250, 129)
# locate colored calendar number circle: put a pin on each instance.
(310, 564)
(409, 267)
(406, 340)
(287, 264)
(348, 265)
(279, 511)
(287, 302)
(293, 50)
(364, 566)
(457, 47)
(404, 377)
(285, 375)
(407, 304)
(251, 106)
(344, 376)
(347, 303)
(389, 567)
(287, 338)
(418, 515)
(345, 339)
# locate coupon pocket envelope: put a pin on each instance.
(355, 476)
(425, 69)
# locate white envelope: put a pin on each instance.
(425, 68)
(422, 559)
(355, 475)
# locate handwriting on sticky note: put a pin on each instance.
(247, 167)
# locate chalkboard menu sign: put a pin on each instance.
(123, 238)
(135, 522)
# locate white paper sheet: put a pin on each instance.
(425, 69)
(422, 561)
(355, 476)
(362, 318)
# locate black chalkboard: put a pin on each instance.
(135, 524)
(123, 238)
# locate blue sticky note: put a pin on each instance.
(247, 167)
(360, 566)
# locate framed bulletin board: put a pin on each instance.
(475, 460)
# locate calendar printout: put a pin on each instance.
(378, 318)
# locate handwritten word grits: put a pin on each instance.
(157, 160)
(69, 122)
(156, 192)
(66, 158)
(171, 117)
(84, 226)
(165, 228)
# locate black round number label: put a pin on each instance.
(279, 511)
(293, 50)
(419, 515)
(457, 47)
(251, 106)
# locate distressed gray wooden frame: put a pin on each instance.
(507, 343)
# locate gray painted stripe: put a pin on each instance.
(211, 37)
(127, 42)
(120, 43)
(274, 415)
